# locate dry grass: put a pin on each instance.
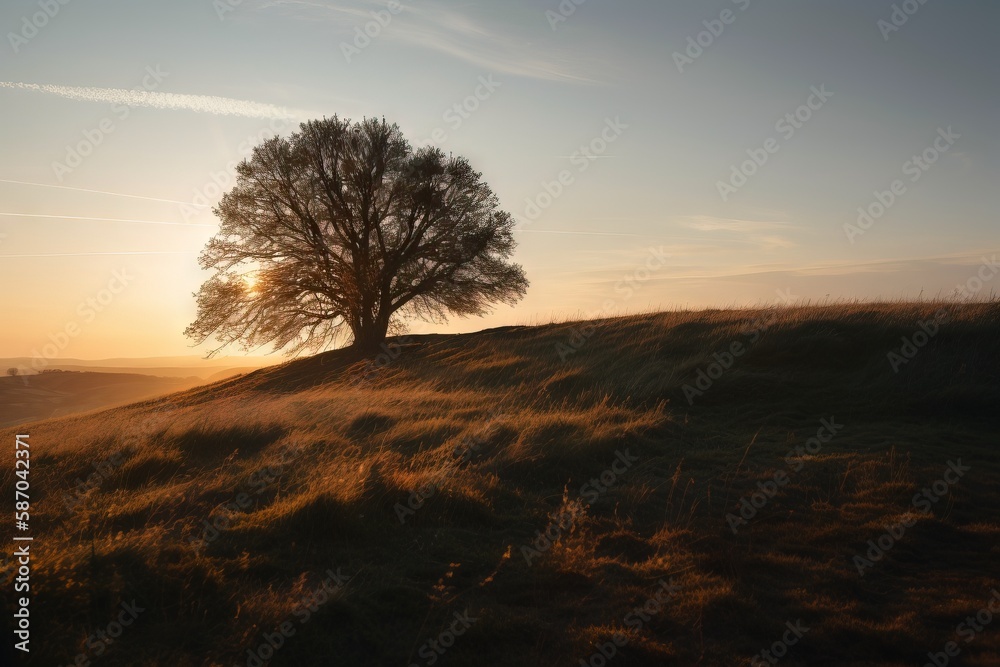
(505, 433)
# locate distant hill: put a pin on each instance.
(180, 367)
(58, 394)
(686, 488)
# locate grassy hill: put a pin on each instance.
(707, 480)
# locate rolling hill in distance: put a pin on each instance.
(69, 386)
(672, 488)
(187, 366)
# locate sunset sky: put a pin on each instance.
(122, 122)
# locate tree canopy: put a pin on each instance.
(337, 232)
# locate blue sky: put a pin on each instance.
(641, 136)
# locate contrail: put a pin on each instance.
(102, 192)
(556, 231)
(222, 106)
(81, 217)
(93, 254)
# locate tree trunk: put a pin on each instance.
(371, 335)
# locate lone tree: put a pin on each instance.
(341, 229)
(12, 372)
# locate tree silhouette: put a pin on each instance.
(342, 229)
(12, 372)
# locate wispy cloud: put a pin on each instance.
(460, 37)
(763, 234)
(325, 10)
(457, 34)
(931, 265)
(102, 192)
(130, 221)
(707, 223)
(562, 231)
(102, 254)
(220, 106)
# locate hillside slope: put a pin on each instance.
(540, 495)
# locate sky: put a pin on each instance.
(657, 155)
